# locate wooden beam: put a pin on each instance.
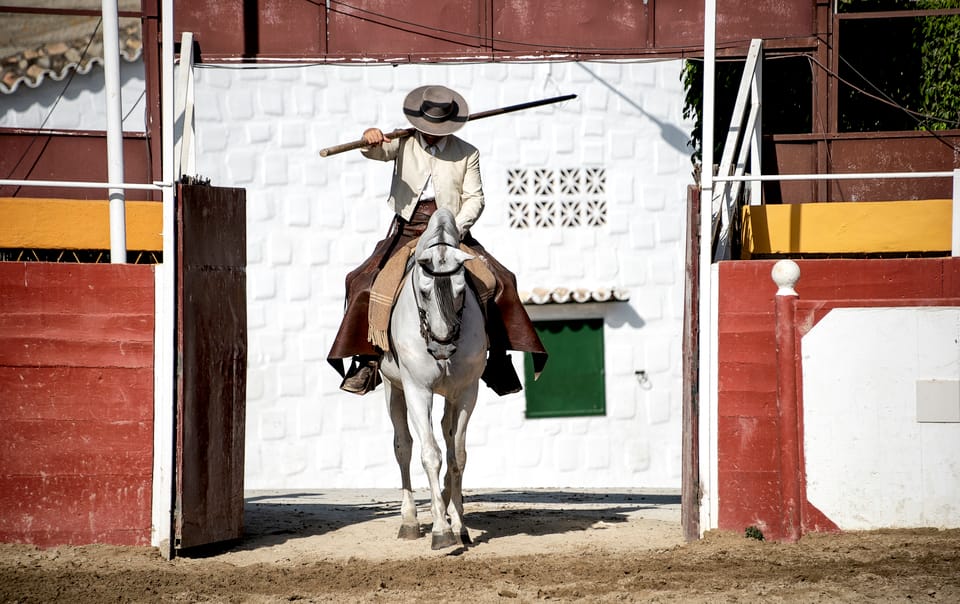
(848, 228)
(73, 224)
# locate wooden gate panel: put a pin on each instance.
(211, 382)
(76, 403)
(77, 155)
(557, 26)
(749, 412)
(406, 27)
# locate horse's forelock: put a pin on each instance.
(441, 230)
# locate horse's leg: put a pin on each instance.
(456, 416)
(419, 406)
(403, 449)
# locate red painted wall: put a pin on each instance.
(413, 30)
(748, 414)
(76, 403)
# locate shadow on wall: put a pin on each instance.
(624, 314)
(673, 136)
(72, 88)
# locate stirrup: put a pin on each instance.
(362, 377)
(500, 376)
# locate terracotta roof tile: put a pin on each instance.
(564, 295)
(55, 60)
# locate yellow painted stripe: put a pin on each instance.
(75, 224)
(852, 227)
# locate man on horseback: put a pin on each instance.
(433, 168)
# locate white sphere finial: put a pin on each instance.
(785, 274)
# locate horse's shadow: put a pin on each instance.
(273, 519)
(268, 521)
(540, 513)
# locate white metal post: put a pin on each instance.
(165, 328)
(707, 444)
(111, 74)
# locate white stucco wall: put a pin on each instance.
(871, 462)
(77, 102)
(312, 219)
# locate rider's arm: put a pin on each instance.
(379, 146)
(471, 197)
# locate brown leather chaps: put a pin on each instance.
(508, 325)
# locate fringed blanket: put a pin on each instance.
(387, 286)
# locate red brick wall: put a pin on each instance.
(748, 437)
(76, 403)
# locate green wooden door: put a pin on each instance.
(572, 383)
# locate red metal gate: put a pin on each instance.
(212, 362)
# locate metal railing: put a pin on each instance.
(184, 153)
(743, 138)
(743, 143)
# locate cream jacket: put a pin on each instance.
(455, 170)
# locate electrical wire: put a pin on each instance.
(136, 103)
(56, 101)
(890, 100)
(73, 72)
(913, 114)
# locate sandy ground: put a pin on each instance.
(596, 546)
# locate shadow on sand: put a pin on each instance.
(272, 518)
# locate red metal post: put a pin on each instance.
(785, 274)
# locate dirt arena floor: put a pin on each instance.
(593, 546)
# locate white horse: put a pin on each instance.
(437, 346)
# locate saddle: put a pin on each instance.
(386, 288)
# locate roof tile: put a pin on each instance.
(55, 59)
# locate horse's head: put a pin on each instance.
(439, 284)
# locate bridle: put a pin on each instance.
(441, 280)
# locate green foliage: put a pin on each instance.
(867, 6)
(879, 73)
(753, 532)
(726, 81)
(938, 41)
(692, 78)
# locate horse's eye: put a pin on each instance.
(424, 287)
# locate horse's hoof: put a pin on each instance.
(443, 540)
(409, 532)
(465, 538)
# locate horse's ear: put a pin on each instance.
(461, 256)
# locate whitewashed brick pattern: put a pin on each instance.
(311, 220)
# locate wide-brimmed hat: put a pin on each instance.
(436, 110)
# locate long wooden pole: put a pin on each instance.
(473, 116)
